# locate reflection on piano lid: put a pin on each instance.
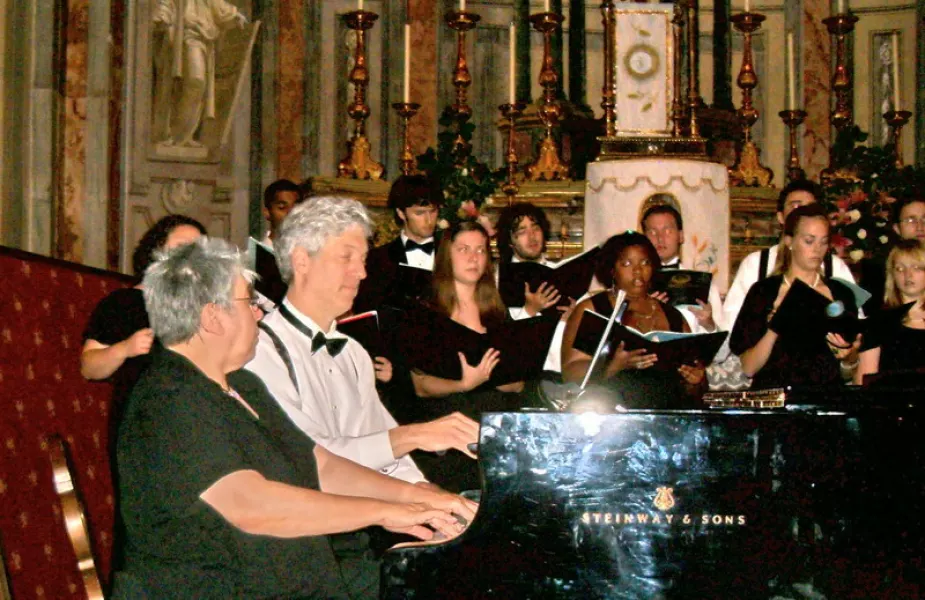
(756, 504)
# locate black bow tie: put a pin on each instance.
(426, 247)
(674, 265)
(319, 340)
(334, 345)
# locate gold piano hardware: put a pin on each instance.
(773, 398)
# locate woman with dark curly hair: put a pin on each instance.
(118, 337)
(627, 263)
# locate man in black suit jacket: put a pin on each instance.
(415, 200)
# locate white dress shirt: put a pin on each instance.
(748, 274)
(336, 403)
(417, 257)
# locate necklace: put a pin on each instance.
(788, 282)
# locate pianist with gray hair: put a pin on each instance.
(221, 495)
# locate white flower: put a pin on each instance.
(856, 255)
(465, 172)
(862, 234)
(854, 215)
(884, 239)
(443, 224)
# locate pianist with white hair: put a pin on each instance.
(221, 495)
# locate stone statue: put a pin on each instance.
(185, 34)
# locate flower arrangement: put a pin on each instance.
(859, 201)
(465, 180)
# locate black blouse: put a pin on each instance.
(795, 359)
(901, 348)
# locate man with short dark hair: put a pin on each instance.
(415, 200)
(664, 227)
(279, 199)
(760, 264)
(908, 216)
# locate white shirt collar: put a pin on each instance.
(309, 322)
(405, 238)
(674, 261)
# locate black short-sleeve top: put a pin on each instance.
(901, 347)
(116, 318)
(794, 360)
(180, 434)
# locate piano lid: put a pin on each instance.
(686, 504)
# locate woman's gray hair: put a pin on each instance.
(182, 281)
(311, 224)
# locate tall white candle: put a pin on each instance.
(512, 66)
(748, 6)
(359, 4)
(841, 7)
(897, 84)
(791, 74)
(407, 83)
(462, 5)
(546, 6)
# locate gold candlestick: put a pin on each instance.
(510, 112)
(548, 165)
(677, 106)
(793, 119)
(406, 110)
(609, 89)
(359, 163)
(749, 170)
(461, 22)
(896, 119)
(694, 101)
(839, 27)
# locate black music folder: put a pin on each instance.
(684, 287)
(365, 329)
(804, 311)
(432, 341)
(572, 277)
(411, 285)
(672, 348)
(269, 283)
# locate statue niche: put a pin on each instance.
(200, 50)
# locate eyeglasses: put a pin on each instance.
(254, 301)
(913, 221)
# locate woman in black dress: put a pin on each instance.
(628, 262)
(118, 337)
(895, 339)
(464, 292)
(803, 352)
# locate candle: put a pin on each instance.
(791, 74)
(407, 84)
(748, 6)
(462, 5)
(512, 59)
(841, 7)
(896, 82)
(546, 6)
(359, 4)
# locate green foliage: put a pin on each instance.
(465, 180)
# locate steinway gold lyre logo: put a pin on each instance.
(664, 498)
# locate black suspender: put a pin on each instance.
(827, 262)
(282, 351)
(763, 258)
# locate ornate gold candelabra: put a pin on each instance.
(896, 119)
(510, 112)
(461, 22)
(793, 119)
(839, 27)
(406, 110)
(359, 163)
(548, 165)
(749, 170)
(608, 90)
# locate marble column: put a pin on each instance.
(524, 68)
(817, 87)
(722, 57)
(72, 139)
(117, 21)
(425, 17)
(919, 129)
(577, 61)
(290, 91)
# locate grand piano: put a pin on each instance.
(821, 498)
